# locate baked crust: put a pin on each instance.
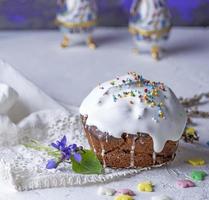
(129, 151)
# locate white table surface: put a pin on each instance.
(68, 75)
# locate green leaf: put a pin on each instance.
(88, 165)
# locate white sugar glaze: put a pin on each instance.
(132, 104)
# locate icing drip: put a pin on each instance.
(174, 154)
(92, 143)
(132, 104)
(102, 152)
(90, 136)
(132, 152)
(106, 138)
(154, 155)
(140, 139)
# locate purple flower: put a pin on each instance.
(52, 164)
(77, 157)
(67, 151)
(60, 145)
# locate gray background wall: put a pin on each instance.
(40, 14)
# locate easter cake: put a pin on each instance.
(131, 122)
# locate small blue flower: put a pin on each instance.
(67, 153)
(77, 157)
(72, 147)
(52, 164)
(60, 145)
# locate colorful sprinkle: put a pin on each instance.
(161, 114)
(154, 119)
(112, 82)
(148, 96)
(161, 104)
(185, 183)
(125, 192)
(123, 197)
(145, 187)
(196, 162)
(198, 175)
(106, 191)
(153, 104)
(114, 98)
(161, 197)
(132, 94)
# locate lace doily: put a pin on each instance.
(24, 169)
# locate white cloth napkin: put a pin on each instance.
(31, 98)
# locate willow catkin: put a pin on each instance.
(191, 105)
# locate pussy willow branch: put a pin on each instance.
(191, 105)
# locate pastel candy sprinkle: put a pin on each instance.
(185, 183)
(123, 197)
(106, 191)
(198, 175)
(126, 192)
(161, 197)
(145, 187)
(196, 162)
